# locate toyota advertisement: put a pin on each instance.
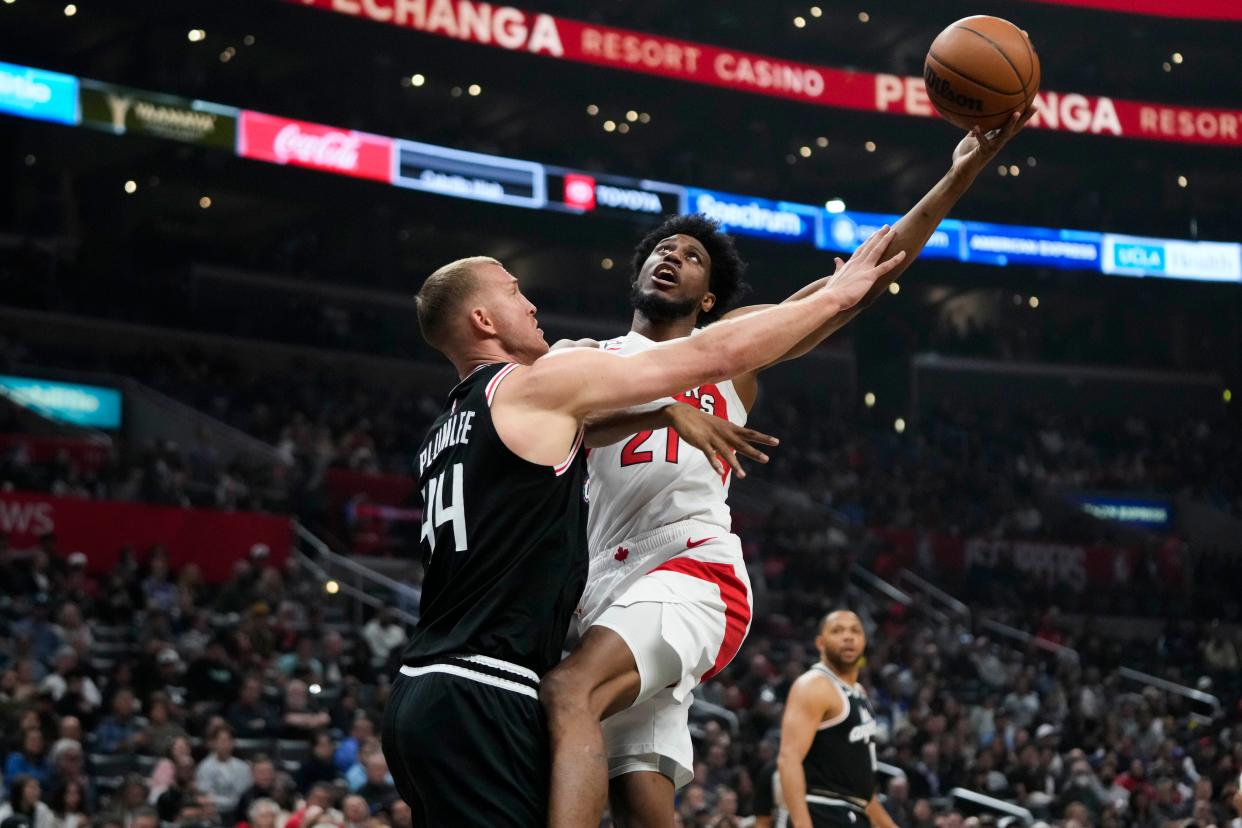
(580, 192)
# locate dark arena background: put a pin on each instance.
(1021, 467)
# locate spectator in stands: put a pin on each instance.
(318, 805)
(302, 662)
(162, 731)
(356, 812)
(320, 765)
(144, 817)
(898, 802)
(66, 669)
(121, 731)
(172, 786)
(250, 716)
(302, 717)
(71, 629)
(263, 813)
(31, 759)
(69, 807)
(221, 775)
(25, 800)
(213, 678)
(238, 593)
(383, 635)
(129, 800)
(35, 627)
(69, 768)
(378, 787)
(360, 732)
(356, 776)
(263, 784)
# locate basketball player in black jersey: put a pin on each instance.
(504, 522)
(827, 756)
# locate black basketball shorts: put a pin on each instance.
(467, 744)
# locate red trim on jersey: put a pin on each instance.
(732, 592)
(564, 467)
(495, 381)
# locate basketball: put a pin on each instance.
(980, 70)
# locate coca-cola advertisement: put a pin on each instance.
(341, 151)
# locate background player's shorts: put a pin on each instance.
(836, 816)
(684, 621)
(467, 753)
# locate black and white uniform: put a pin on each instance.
(506, 561)
(840, 764)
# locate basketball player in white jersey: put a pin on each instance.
(668, 601)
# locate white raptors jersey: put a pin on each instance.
(653, 479)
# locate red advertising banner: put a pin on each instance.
(1186, 9)
(99, 528)
(341, 151)
(510, 28)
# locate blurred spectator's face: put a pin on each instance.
(223, 744)
(362, 729)
(251, 691)
(324, 747)
(377, 769)
(32, 742)
(69, 762)
(726, 803)
(135, 794)
(264, 774)
(123, 705)
(1203, 789)
(841, 640)
(922, 810)
(295, 696)
(145, 822)
(265, 818)
(402, 817)
(696, 798)
(717, 757)
(356, 809)
(898, 789)
(31, 794)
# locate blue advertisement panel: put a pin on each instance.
(1144, 512)
(66, 402)
(1004, 244)
(775, 220)
(470, 175)
(34, 93)
(1172, 259)
(845, 231)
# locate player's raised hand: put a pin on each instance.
(976, 151)
(854, 278)
(718, 438)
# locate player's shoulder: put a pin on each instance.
(813, 681)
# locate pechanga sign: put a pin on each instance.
(119, 109)
(513, 29)
(1184, 9)
(66, 402)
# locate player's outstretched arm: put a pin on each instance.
(811, 700)
(580, 381)
(973, 154)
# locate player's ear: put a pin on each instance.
(481, 320)
(707, 302)
(820, 643)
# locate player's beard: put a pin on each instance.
(839, 665)
(656, 308)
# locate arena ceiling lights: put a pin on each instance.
(513, 29)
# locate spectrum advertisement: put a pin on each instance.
(66, 402)
(760, 217)
(34, 93)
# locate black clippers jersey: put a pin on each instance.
(504, 539)
(841, 760)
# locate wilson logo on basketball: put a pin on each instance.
(941, 88)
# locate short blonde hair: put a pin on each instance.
(442, 295)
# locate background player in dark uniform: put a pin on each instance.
(504, 523)
(827, 757)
